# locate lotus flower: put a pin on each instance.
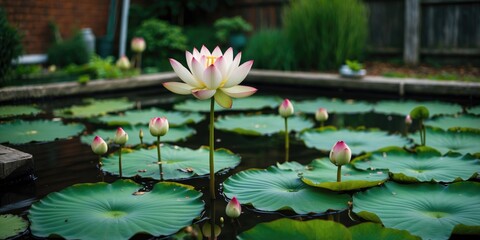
(99, 146)
(340, 154)
(138, 44)
(233, 209)
(212, 74)
(321, 115)
(121, 137)
(286, 108)
(408, 120)
(158, 126)
(123, 63)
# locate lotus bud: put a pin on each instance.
(340, 154)
(140, 134)
(158, 126)
(99, 146)
(138, 44)
(123, 63)
(321, 115)
(121, 137)
(233, 209)
(286, 109)
(408, 120)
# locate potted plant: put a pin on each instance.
(232, 31)
(352, 69)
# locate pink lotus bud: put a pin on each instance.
(123, 63)
(286, 108)
(321, 115)
(99, 146)
(158, 126)
(408, 120)
(121, 137)
(340, 154)
(138, 44)
(233, 209)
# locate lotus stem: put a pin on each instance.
(422, 133)
(339, 173)
(159, 158)
(287, 141)
(212, 219)
(212, 147)
(120, 161)
(100, 167)
(321, 124)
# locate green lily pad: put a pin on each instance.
(428, 210)
(255, 102)
(423, 166)
(177, 162)
(274, 189)
(261, 124)
(285, 228)
(404, 107)
(174, 134)
(333, 105)
(18, 110)
(94, 108)
(322, 173)
(19, 132)
(115, 211)
(474, 110)
(375, 231)
(448, 141)
(453, 123)
(135, 117)
(358, 141)
(11, 225)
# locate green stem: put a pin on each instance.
(422, 139)
(287, 141)
(159, 158)
(339, 173)
(100, 167)
(321, 124)
(212, 219)
(424, 135)
(212, 147)
(120, 161)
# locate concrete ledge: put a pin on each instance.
(14, 163)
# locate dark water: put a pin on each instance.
(63, 163)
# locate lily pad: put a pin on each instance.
(322, 173)
(115, 211)
(255, 102)
(177, 162)
(428, 210)
(94, 108)
(474, 110)
(358, 141)
(261, 124)
(404, 107)
(285, 228)
(11, 225)
(423, 166)
(135, 117)
(19, 132)
(18, 110)
(174, 134)
(448, 141)
(453, 123)
(274, 189)
(375, 231)
(333, 105)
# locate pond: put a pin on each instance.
(62, 163)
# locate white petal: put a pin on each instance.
(197, 70)
(228, 56)
(239, 91)
(239, 74)
(196, 53)
(203, 94)
(178, 87)
(189, 57)
(235, 63)
(220, 63)
(212, 77)
(217, 52)
(204, 51)
(183, 73)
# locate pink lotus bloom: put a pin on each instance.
(99, 146)
(138, 44)
(212, 74)
(121, 137)
(408, 120)
(321, 115)
(233, 209)
(158, 126)
(286, 108)
(123, 63)
(340, 154)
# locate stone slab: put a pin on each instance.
(14, 162)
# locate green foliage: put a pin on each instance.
(70, 51)
(201, 35)
(163, 41)
(271, 50)
(83, 79)
(420, 112)
(325, 33)
(354, 65)
(227, 26)
(10, 47)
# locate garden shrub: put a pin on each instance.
(10, 47)
(270, 50)
(201, 35)
(70, 51)
(325, 33)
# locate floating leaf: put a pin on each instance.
(174, 134)
(261, 124)
(428, 210)
(474, 110)
(333, 105)
(93, 108)
(322, 173)
(18, 110)
(358, 141)
(446, 141)
(404, 107)
(424, 166)
(285, 228)
(273, 189)
(177, 162)
(374, 231)
(112, 211)
(135, 117)
(11, 225)
(19, 132)
(239, 104)
(453, 123)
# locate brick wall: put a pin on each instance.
(31, 17)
